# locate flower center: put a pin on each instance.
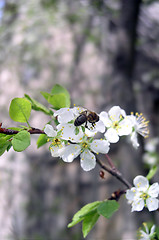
(144, 196)
(115, 125)
(56, 142)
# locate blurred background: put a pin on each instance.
(106, 53)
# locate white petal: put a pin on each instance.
(141, 183)
(105, 119)
(125, 127)
(115, 113)
(66, 117)
(100, 127)
(57, 151)
(68, 132)
(88, 160)
(138, 205)
(71, 152)
(154, 190)
(100, 146)
(49, 130)
(134, 140)
(152, 204)
(61, 111)
(144, 235)
(78, 110)
(130, 194)
(111, 135)
(152, 229)
(90, 133)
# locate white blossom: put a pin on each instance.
(57, 145)
(85, 148)
(140, 126)
(147, 235)
(143, 195)
(117, 124)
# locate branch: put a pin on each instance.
(114, 173)
(12, 132)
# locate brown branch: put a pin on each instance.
(12, 132)
(114, 173)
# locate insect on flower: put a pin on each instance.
(85, 117)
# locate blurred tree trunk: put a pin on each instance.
(124, 58)
(122, 94)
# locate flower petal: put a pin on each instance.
(130, 194)
(99, 126)
(154, 190)
(49, 130)
(141, 183)
(69, 132)
(115, 113)
(134, 140)
(125, 127)
(100, 146)
(64, 115)
(57, 151)
(111, 135)
(71, 152)
(105, 119)
(88, 160)
(137, 205)
(152, 204)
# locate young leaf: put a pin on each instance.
(152, 172)
(107, 208)
(45, 95)
(38, 106)
(21, 141)
(3, 145)
(59, 101)
(80, 215)
(88, 222)
(41, 140)
(58, 98)
(20, 109)
(58, 89)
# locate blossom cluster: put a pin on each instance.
(143, 195)
(69, 140)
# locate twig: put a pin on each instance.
(114, 173)
(12, 132)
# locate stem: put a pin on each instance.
(12, 132)
(110, 162)
(115, 173)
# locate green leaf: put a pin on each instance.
(45, 95)
(157, 232)
(59, 101)
(42, 140)
(107, 208)
(58, 98)
(152, 172)
(21, 141)
(80, 215)
(20, 109)
(58, 89)
(3, 145)
(38, 106)
(88, 222)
